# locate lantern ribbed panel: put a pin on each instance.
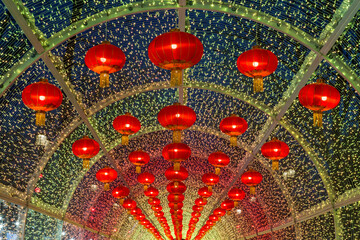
(175, 50)
(115, 58)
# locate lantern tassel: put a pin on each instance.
(145, 187)
(176, 166)
(258, 84)
(106, 186)
(275, 165)
(252, 190)
(176, 136)
(138, 169)
(318, 118)
(233, 141)
(125, 140)
(40, 118)
(86, 163)
(104, 80)
(236, 203)
(217, 171)
(228, 212)
(210, 188)
(176, 77)
(176, 184)
(121, 201)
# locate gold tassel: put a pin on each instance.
(318, 118)
(217, 171)
(175, 206)
(176, 166)
(104, 80)
(121, 201)
(176, 77)
(233, 141)
(106, 186)
(145, 187)
(228, 212)
(40, 118)
(236, 203)
(176, 184)
(275, 165)
(252, 190)
(258, 84)
(138, 169)
(176, 136)
(86, 163)
(125, 140)
(210, 188)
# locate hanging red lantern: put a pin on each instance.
(236, 195)
(233, 126)
(213, 218)
(179, 205)
(159, 214)
(251, 178)
(106, 176)
(197, 208)
(135, 211)
(175, 198)
(210, 223)
(200, 202)
(178, 188)
(177, 117)
(275, 150)
(120, 192)
(151, 192)
(126, 125)
(319, 97)
(257, 63)
(195, 214)
(154, 201)
(227, 205)
(140, 217)
(218, 160)
(176, 176)
(156, 208)
(129, 204)
(105, 59)
(146, 179)
(42, 97)
(176, 153)
(85, 148)
(210, 179)
(139, 158)
(175, 51)
(219, 212)
(204, 192)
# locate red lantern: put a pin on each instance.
(154, 201)
(129, 204)
(106, 175)
(251, 178)
(120, 193)
(159, 214)
(210, 179)
(156, 208)
(175, 198)
(151, 192)
(178, 205)
(213, 218)
(195, 214)
(275, 150)
(104, 59)
(135, 211)
(210, 223)
(319, 97)
(200, 202)
(236, 195)
(178, 188)
(177, 117)
(140, 217)
(42, 97)
(257, 63)
(146, 179)
(126, 125)
(233, 126)
(218, 160)
(85, 148)
(219, 212)
(204, 192)
(175, 51)
(176, 153)
(176, 176)
(139, 158)
(227, 205)
(197, 208)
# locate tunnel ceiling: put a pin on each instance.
(314, 195)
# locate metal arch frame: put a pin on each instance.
(233, 9)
